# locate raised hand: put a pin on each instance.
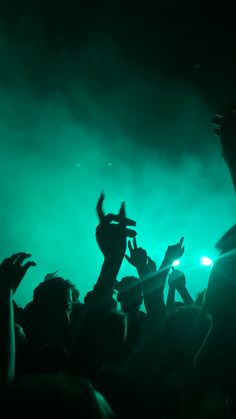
(13, 270)
(225, 123)
(177, 279)
(174, 252)
(138, 255)
(112, 231)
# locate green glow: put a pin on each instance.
(206, 261)
(142, 137)
(176, 263)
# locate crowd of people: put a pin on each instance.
(107, 357)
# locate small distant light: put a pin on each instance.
(206, 261)
(176, 263)
(78, 165)
(109, 164)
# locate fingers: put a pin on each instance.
(117, 218)
(128, 258)
(135, 244)
(99, 208)
(217, 121)
(220, 113)
(114, 227)
(217, 118)
(122, 217)
(122, 214)
(127, 231)
(129, 222)
(217, 132)
(13, 258)
(28, 265)
(223, 118)
(16, 259)
(130, 233)
(110, 217)
(21, 258)
(130, 246)
(181, 241)
(13, 269)
(181, 247)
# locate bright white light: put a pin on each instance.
(176, 263)
(206, 261)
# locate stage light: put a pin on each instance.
(176, 263)
(206, 261)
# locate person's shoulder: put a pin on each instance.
(226, 261)
(227, 242)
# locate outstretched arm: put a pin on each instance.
(145, 269)
(153, 281)
(177, 281)
(173, 253)
(111, 235)
(12, 272)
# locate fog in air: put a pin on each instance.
(78, 121)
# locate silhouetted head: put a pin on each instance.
(129, 294)
(54, 295)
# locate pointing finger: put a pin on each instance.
(130, 233)
(128, 258)
(28, 265)
(99, 208)
(135, 243)
(21, 257)
(181, 241)
(130, 246)
(122, 210)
